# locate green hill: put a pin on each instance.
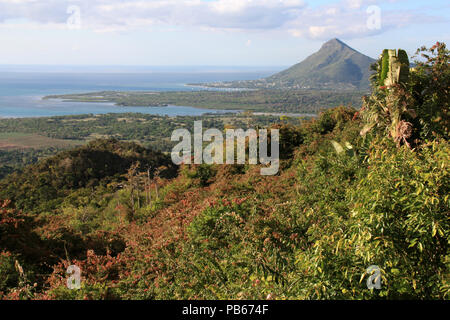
(334, 66)
(45, 184)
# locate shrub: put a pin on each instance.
(9, 277)
(395, 216)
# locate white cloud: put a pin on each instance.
(347, 18)
(354, 4)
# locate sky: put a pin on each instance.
(210, 32)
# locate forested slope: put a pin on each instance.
(355, 189)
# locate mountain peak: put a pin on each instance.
(334, 44)
(335, 40)
(335, 66)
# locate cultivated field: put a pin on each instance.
(16, 140)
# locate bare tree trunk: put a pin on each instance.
(131, 217)
(138, 199)
(148, 187)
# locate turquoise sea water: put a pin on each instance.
(21, 92)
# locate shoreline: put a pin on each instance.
(278, 114)
(212, 88)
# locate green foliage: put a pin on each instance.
(202, 173)
(430, 81)
(411, 107)
(402, 206)
(403, 57)
(342, 202)
(151, 131)
(393, 214)
(332, 119)
(291, 137)
(9, 277)
(211, 229)
(403, 60)
(295, 100)
(14, 160)
(43, 186)
(394, 67)
(384, 67)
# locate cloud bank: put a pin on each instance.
(347, 18)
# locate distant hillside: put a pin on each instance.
(335, 66)
(99, 162)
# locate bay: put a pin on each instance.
(21, 92)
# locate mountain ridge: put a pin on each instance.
(336, 66)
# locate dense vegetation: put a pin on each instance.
(343, 201)
(46, 184)
(14, 160)
(150, 130)
(292, 101)
(29, 145)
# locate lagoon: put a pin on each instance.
(21, 93)
(35, 106)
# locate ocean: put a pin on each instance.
(22, 89)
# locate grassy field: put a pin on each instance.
(14, 140)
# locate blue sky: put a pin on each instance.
(213, 32)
